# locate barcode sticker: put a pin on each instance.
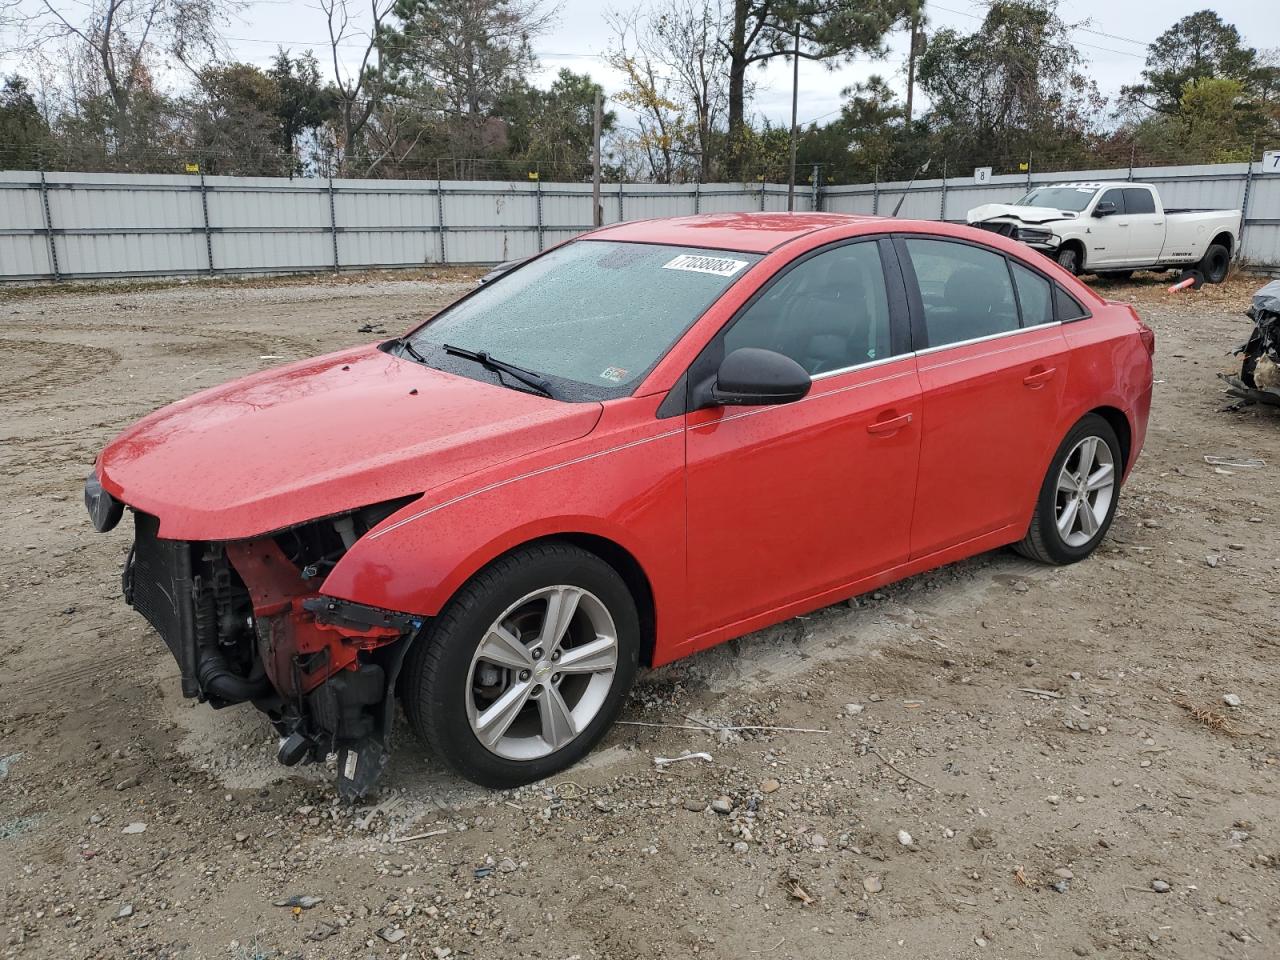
(720, 266)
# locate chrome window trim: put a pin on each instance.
(861, 366)
(991, 336)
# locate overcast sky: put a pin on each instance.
(1113, 41)
(1112, 38)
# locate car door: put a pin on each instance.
(785, 502)
(991, 377)
(1109, 235)
(1146, 226)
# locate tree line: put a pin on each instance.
(427, 88)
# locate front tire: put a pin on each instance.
(1077, 501)
(527, 666)
(1069, 259)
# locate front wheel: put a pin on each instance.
(1069, 259)
(527, 667)
(1078, 498)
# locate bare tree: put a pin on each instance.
(675, 62)
(120, 38)
(360, 89)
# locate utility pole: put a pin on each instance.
(911, 57)
(597, 211)
(795, 99)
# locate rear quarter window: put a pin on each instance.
(1067, 306)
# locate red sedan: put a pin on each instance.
(637, 445)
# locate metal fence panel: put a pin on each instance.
(68, 225)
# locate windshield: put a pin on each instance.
(591, 317)
(1059, 198)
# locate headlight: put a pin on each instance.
(104, 509)
(1030, 235)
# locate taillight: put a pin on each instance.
(1148, 337)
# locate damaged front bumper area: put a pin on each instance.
(1037, 238)
(1259, 378)
(247, 622)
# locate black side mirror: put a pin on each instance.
(1104, 209)
(754, 377)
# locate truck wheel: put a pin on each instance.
(1069, 259)
(526, 667)
(1216, 262)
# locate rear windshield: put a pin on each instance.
(591, 317)
(1059, 198)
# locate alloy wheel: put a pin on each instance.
(541, 672)
(1086, 485)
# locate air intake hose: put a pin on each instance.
(217, 679)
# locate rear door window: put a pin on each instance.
(1137, 200)
(965, 290)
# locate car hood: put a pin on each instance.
(320, 437)
(1008, 211)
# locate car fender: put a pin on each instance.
(623, 484)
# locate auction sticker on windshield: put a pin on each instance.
(720, 266)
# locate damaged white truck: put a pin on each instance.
(1113, 229)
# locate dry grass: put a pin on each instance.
(1207, 717)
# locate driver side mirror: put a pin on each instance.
(1104, 209)
(753, 377)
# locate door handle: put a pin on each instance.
(890, 425)
(1039, 377)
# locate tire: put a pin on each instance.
(1045, 540)
(1216, 263)
(450, 684)
(1069, 259)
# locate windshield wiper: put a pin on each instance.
(528, 377)
(411, 350)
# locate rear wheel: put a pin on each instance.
(1078, 498)
(527, 667)
(1216, 263)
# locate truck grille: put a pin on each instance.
(158, 584)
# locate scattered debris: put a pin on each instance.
(391, 934)
(904, 838)
(420, 836)
(1160, 886)
(1037, 692)
(666, 761)
(135, 827)
(872, 884)
(300, 901)
(7, 762)
(124, 911)
(722, 805)
(770, 785)
(1231, 699)
(1250, 462)
(902, 773)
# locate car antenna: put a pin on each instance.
(923, 168)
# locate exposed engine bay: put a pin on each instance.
(1259, 379)
(246, 622)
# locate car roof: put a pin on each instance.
(745, 232)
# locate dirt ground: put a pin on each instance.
(1129, 810)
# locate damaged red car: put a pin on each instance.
(634, 446)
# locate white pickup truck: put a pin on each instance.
(1112, 229)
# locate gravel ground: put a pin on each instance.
(936, 805)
